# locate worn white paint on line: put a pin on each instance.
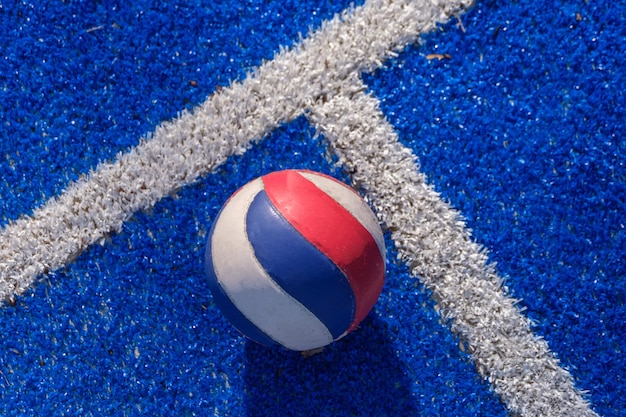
(194, 144)
(432, 239)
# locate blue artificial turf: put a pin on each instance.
(82, 81)
(521, 129)
(130, 327)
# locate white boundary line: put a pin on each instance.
(320, 75)
(432, 239)
(190, 146)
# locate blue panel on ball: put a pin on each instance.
(300, 268)
(226, 306)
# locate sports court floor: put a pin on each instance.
(487, 137)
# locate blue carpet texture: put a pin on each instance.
(516, 111)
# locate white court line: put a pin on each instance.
(194, 144)
(432, 239)
(320, 75)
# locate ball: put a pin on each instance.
(295, 258)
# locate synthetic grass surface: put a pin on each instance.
(520, 126)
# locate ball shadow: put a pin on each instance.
(359, 375)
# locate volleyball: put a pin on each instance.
(295, 258)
